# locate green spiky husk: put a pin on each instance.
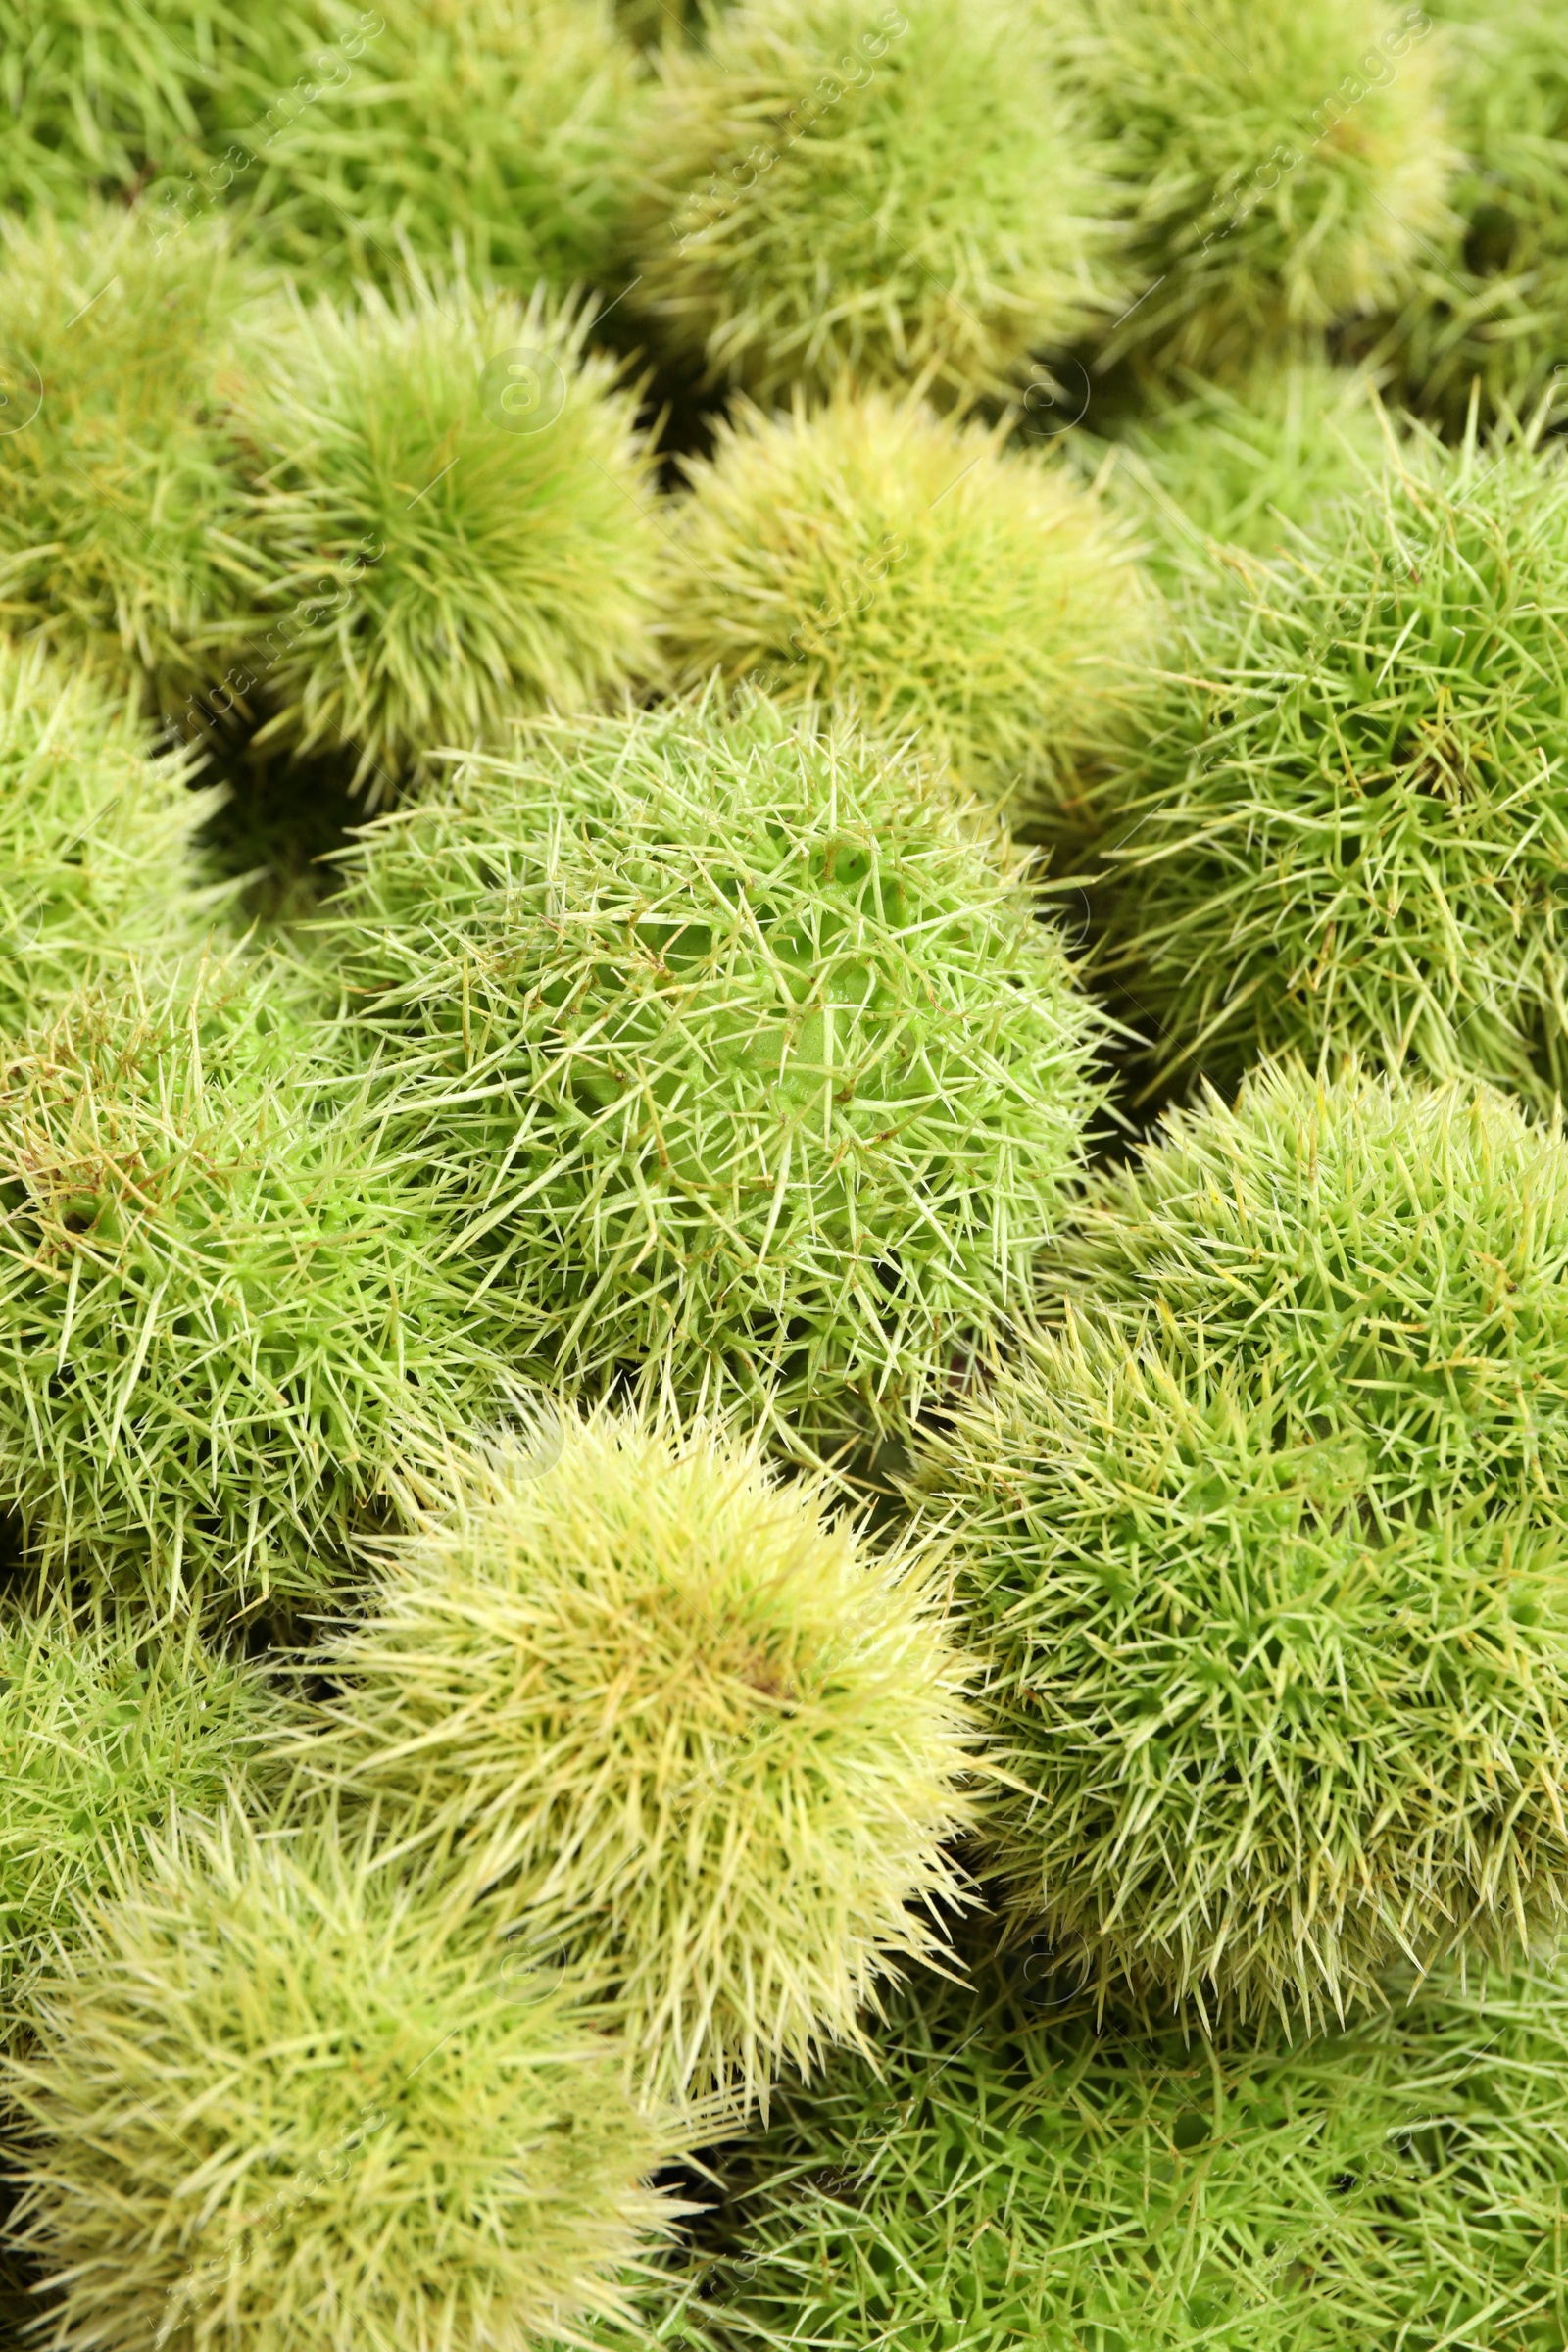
(945, 587)
(1491, 305)
(1263, 1550)
(677, 1714)
(940, 217)
(338, 138)
(429, 575)
(1345, 830)
(346, 139)
(96, 856)
(1248, 460)
(735, 1051)
(103, 1729)
(218, 1333)
(95, 88)
(1263, 195)
(274, 2103)
(1008, 2172)
(119, 496)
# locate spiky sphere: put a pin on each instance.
(655, 1696)
(1009, 2172)
(1264, 1549)
(356, 135)
(940, 583)
(119, 494)
(217, 1333)
(437, 561)
(1347, 826)
(1493, 307)
(335, 138)
(1243, 460)
(103, 1727)
(836, 188)
(274, 2105)
(1286, 160)
(736, 1050)
(95, 837)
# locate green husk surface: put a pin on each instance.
(339, 139)
(101, 1730)
(1286, 160)
(428, 573)
(217, 1334)
(944, 586)
(834, 190)
(1009, 2169)
(1344, 829)
(94, 88)
(1247, 461)
(736, 1054)
(349, 141)
(635, 1567)
(679, 1718)
(95, 838)
(1491, 305)
(273, 2104)
(119, 495)
(1263, 1550)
